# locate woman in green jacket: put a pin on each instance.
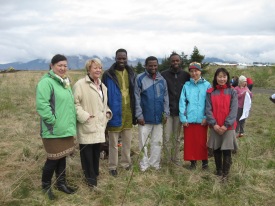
(55, 105)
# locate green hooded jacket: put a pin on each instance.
(55, 105)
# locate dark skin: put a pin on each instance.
(121, 60)
(175, 62)
(151, 67)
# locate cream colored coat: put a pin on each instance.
(88, 102)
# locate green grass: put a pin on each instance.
(22, 157)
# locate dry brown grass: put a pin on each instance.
(22, 157)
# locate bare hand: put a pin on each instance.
(141, 122)
(223, 129)
(204, 122)
(220, 130)
(108, 115)
(185, 124)
(217, 129)
(164, 120)
(90, 117)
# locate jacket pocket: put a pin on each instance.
(89, 126)
(49, 127)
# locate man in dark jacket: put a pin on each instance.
(119, 80)
(175, 78)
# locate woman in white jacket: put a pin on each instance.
(92, 116)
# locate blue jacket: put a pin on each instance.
(110, 80)
(192, 101)
(151, 98)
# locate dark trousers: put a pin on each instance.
(250, 86)
(223, 160)
(240, 123)
(89, 154)
(51, 166)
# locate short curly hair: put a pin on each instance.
(89, 63)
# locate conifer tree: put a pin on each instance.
(165, 64)
(184, 60)
(197, 57)
(139, 68)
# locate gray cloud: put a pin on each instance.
(231, 29)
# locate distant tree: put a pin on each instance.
(197, 57)
(194, 57)
(10, 69)
(139, 68)
(184, 59)
(165, 64)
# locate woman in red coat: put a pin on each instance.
(221, 112)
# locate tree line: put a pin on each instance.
(185, 61)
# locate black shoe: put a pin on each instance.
(91, 182)
(192, 165)
(113, 173)
(50, 194)
(204, 165)
(91, 185)
(219, 173)
(66, 189)
(129, 167)
(224, 178)
(46, 188)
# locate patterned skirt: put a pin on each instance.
(58, 148)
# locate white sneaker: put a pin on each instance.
(157, 168)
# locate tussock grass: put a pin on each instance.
(22, 156)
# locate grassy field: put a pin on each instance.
(22, 156)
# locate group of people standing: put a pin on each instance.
(160, 103)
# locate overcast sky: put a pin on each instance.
(239, 30)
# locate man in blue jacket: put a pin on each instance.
(152, 107)
(119, 80)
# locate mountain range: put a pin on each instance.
(76, 62)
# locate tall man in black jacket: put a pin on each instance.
(175, 78)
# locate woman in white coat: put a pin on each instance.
(92, 116)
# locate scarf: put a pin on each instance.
(65, 81)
